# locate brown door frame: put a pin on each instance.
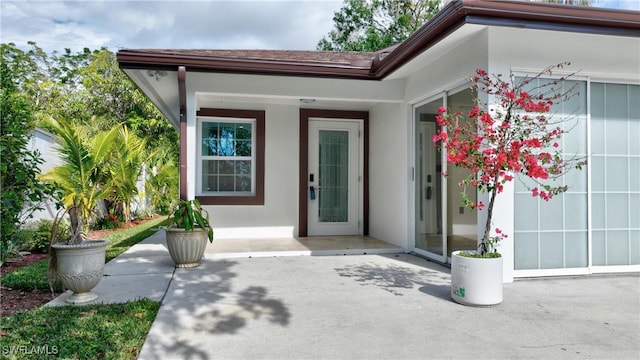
(303, 196)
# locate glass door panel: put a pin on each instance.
(442, 223)
(429, 236)
(333, 176)
(462, 222)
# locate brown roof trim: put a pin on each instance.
(376, 66)
(196, 60)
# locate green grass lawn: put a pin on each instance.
(34, 276)
(113, 331)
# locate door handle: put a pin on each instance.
(428, 194)
(312, 192)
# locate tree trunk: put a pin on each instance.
(484, 246)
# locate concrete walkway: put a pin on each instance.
(385, 306)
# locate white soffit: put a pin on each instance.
(162, 88)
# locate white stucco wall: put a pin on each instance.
(447, 70)
(278, 217)
(389, 174)
(596, 56)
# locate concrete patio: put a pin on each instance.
(374, 306)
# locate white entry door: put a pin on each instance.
(335, 191)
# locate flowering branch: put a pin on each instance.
(516, 135)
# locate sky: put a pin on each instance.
(237, 24)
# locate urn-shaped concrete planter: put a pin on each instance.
(476, 281)
(80, 267)
(186, 247)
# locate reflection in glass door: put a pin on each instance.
(428, 181)
(442, 223)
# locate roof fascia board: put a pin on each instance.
(130, 59)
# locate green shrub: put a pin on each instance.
(35, 237)
(22, 237)
(8, 249)
(108, 222)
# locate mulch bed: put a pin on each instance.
(13, 300)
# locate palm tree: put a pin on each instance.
(81, 178)
(125, 167)
(162, 181)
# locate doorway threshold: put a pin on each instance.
(305, 246)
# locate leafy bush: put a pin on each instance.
(8, 250)
(108, 222)
(22, 236)
(145, 213)
(19, 166)
(35, 237)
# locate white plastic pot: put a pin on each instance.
(476, 281)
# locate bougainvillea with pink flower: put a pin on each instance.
(515, 132)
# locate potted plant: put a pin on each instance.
(78, 263)
(80, 180)
(188, 233)
(513, 135)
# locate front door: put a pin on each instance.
(334, 179)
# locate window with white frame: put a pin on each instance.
(230, 157)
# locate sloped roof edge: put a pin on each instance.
(510, 13)
(376, 66)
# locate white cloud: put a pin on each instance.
(55, 25)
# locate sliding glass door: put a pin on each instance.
(442, 225)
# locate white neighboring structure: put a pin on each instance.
(45, 143)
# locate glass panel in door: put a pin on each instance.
(442, 223)
(462, 222)
(333, 176)
(428, 180)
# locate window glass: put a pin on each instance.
(557, 229)
(615, 173)
(227, 156)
